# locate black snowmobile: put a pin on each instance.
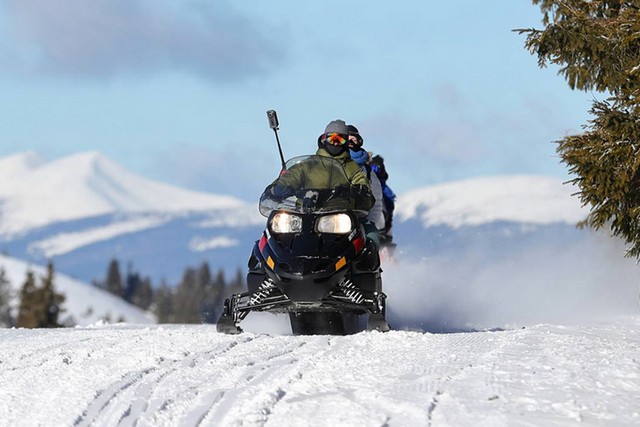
(312, 262)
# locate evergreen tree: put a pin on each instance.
(163, 304)
(40, 307)
(143, 295)
(216, 297)
(28, 312)
(113, 282)
(188, 299)
(132, 282)
(203, 276)
(51, 301)
(219, 282)
(6, 319)
(205, 284)
(237, 284)
(597, 45)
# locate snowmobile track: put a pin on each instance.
(190, 375)
(132, 398)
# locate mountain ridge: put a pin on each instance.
(532, 199)
(86, 185)
(81, 231)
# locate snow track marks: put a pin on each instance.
(175, 375)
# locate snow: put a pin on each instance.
(84, 304)
(67, 242)
(177, 375)
(201, 244)
(550, 349)
(542, 336)
(518, 198)
(17, 165)
(85, 185)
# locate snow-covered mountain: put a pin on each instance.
(36, 194)
(526, 199)
(84, 209)
(84, 304)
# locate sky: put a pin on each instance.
(177, 91)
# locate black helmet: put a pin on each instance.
(353, 131)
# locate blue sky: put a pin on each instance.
(178, 90)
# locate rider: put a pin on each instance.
(333, 143)
(363, 158)
(389, 201)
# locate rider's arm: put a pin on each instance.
(285, 185)
(361, 191)
(376, 214)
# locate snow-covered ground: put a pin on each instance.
(558, 350)
(126, 375)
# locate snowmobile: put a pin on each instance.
(312, 262)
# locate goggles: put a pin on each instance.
(335, 138)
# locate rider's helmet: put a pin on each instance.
(335, 138)
(355, 139)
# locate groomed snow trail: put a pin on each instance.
(130, 375)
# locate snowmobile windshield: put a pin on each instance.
(310, 184)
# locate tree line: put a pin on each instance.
(197, 298)
(40, 305)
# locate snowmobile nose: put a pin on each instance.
(305, 290)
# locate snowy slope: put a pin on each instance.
(84, 304)
(518, 198)
(497, 254)
(17, 166)
(543, 375)
(85, 185)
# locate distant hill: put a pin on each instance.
(527, 199)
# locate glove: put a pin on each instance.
(310, 199)
(372, 233)
(362, 197)
(279, 193)
(342, 191)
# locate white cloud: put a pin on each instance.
(102, 38)
(201, 244)
(237, 169)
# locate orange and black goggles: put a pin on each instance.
(335, 138)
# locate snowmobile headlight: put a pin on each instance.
(283, 222)
(336, 224)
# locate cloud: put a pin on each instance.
(104, 38)
(448, 137)
(456, 136)
(439, 148)
(240, 171)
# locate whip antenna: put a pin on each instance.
(273, 124)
